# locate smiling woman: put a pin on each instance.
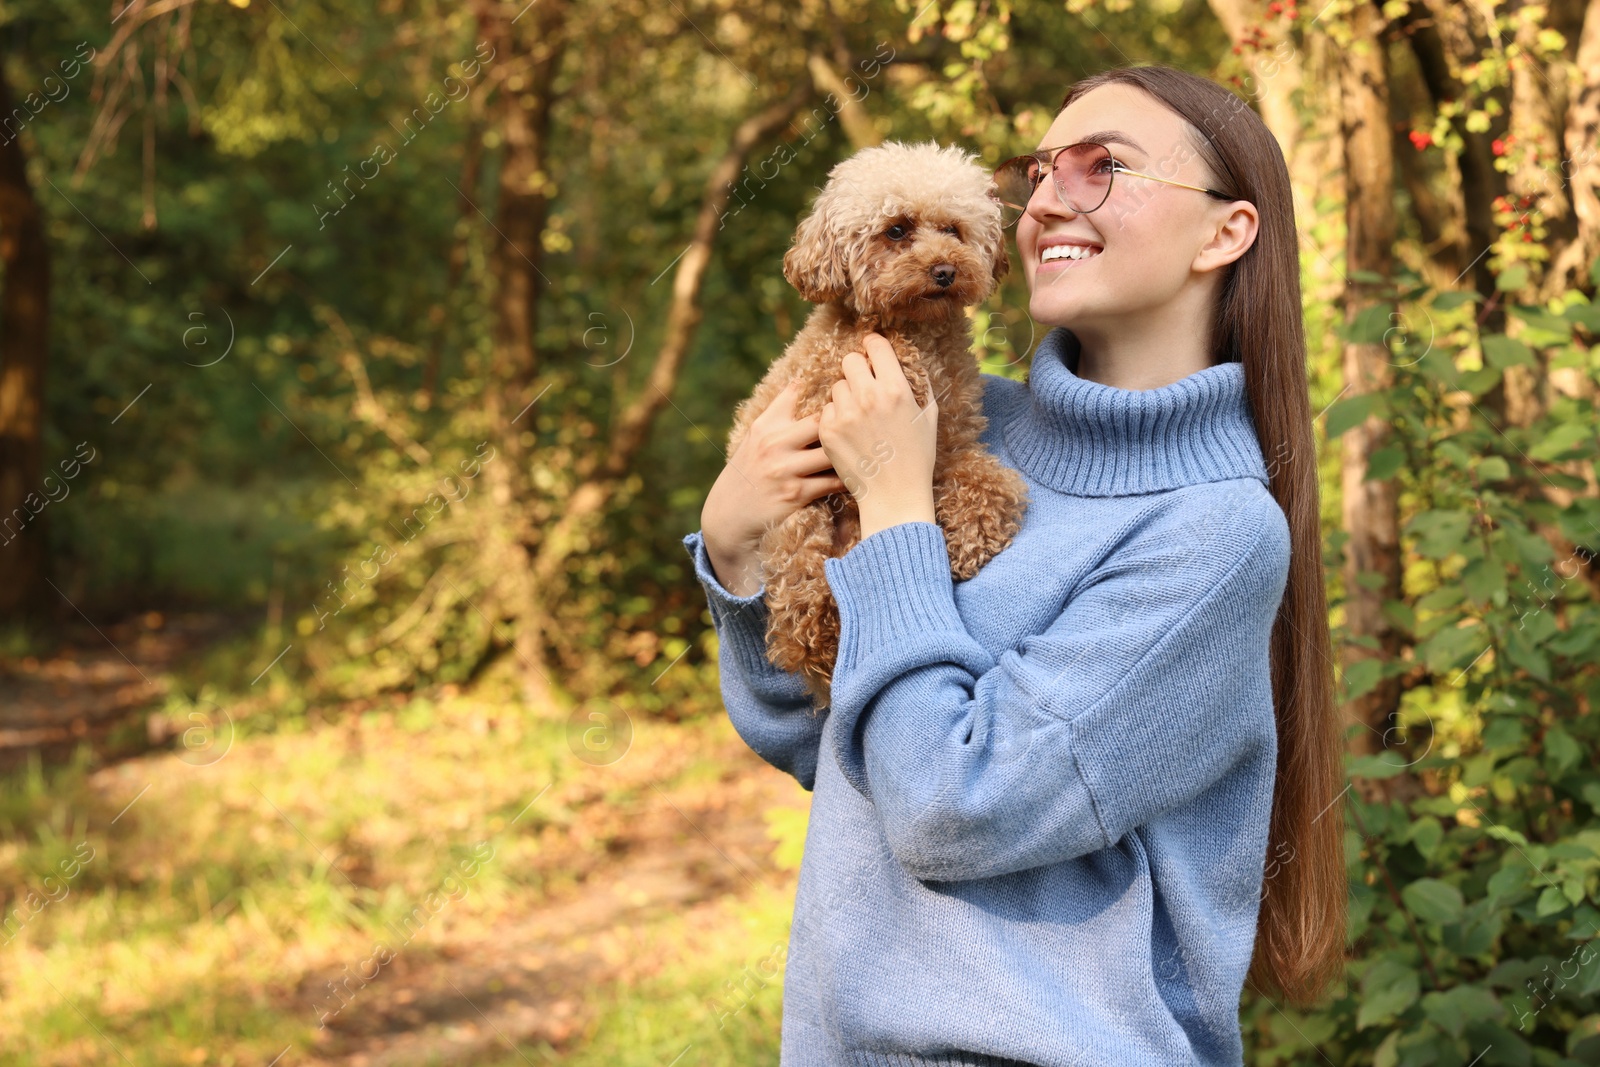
(1090, 789)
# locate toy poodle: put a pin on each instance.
(901, 241)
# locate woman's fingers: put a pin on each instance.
(809, 461)
(782, 406)
(821, 485)
(858, 374)
(798, 433)
(885, 364)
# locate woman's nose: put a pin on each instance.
(1046, 202)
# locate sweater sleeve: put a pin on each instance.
(769, 707)
(1141, 695)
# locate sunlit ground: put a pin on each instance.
(422, 882)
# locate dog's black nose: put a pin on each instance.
(943, 274)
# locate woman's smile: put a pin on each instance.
(1057, 257)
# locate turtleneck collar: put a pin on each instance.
(1086, 439)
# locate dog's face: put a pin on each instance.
(901, 232)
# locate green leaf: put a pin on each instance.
(1502, 351)
(1425, 834)
(1543, 320)
(1480, 381)
(1452, 1008)
(1551, 901)
(1371, 324)
(1384, 463)
(1562, 750)
(1510, 880)
(1452, 648)
(1507, 834)
(1388, 988)
(1361, 676)
(1572, 888)
(1379, 766)
(1443, 598)
(1454, 298)
(1343, 414)
(1439, 532)
(1494, 469)
(1525, 654)
(1433, 901)
(1564, 438)
(1511, 279)
(1388, 1053)
(1504, 732)
(1482, 579)
(1585, 315)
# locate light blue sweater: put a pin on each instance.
(1041, 796)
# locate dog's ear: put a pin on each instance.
(815, 264)
(1002, 261)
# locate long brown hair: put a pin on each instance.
(1300, 932)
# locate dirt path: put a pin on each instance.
(94, 683)
(471, 992)
(531, 979)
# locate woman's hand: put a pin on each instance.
(774, 473)
(880, 441)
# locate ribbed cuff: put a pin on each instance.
(893, 585)
(868, 1058)
(740, 621)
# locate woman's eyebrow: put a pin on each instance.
(1114, 135)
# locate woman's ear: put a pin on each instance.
(815, 264)
(1233, 238)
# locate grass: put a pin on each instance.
(191, 907)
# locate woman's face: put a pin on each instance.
(1151, 236)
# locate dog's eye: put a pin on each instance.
(953, 231)
(896, 232)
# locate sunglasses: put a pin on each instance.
(1081, 173)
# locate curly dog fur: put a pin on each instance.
(901, 241)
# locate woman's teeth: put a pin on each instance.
(1054, 252)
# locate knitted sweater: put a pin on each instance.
(1040, 802)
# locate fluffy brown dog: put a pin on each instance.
(901, 241)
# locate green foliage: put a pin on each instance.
(1474, 902)
(330, 474)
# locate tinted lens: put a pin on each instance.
(1014, 182)
(1082, 179)
(1083, 176)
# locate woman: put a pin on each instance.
(1062, 808)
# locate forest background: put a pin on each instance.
(362, 365)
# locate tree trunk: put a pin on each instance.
(1371, 512)
(1535, 126)
(602, 472)
(1438, 32)
(1276, 72)
(1573, 249)
(530, 46)
(853, 113)
(24, 351)
(1581, 163)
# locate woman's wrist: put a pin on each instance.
(880, 514)
(738, 572)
